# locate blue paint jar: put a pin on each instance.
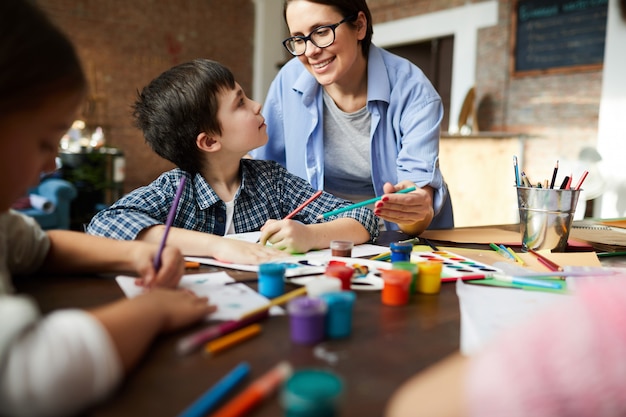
(312, 393)
(339, 313)
(271, 279)
(401, 251)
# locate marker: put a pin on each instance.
(168, 224)
(217, 392)
(215, 346)
(190, 343)
(506, 252)
(258, 390)
(528, 282)
(515, 256)
(361, 204)
(501, 252)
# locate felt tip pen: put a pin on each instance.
(361, 204)
(529, 282)
(258, 390)
(190, 343)
(217, 392)
(502, 252)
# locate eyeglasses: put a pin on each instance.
(322, 37)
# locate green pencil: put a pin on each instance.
(361, 204)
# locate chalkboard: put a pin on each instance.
(558, 35)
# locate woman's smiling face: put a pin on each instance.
(334, 63)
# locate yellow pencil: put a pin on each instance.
(276, 301)
(231, 339)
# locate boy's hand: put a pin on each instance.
(287, 235)
(237, 251)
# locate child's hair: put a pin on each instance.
(179, 104)
(37, 61)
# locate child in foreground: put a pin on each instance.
(63, 362)
(198, 117)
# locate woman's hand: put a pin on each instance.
(412, 212)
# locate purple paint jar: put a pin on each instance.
(307, 318)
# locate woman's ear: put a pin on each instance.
(361, 25)
(207, 143)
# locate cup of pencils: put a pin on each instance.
(546, 216)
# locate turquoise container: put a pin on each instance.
(339, 313)
(312, 393)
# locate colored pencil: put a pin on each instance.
(516, 168)
(556, 169)
(256, 392)
(168, 224)
(276, 301)
(552, 266)
(303, 205)
(217, 392)
(361, 204)
(215, 346)
(190, 343)
(580, 181)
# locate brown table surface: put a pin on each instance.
(387, 346)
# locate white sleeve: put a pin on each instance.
(58, 366)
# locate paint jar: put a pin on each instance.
(408, 266)
(271, 279)
(322, 285)
(307, 317)
(343, 272)
(429, 277)
(341, 248)
(312, 393)
(401, 251)
(396, 287)
(339, 313)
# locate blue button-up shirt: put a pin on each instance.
(268, 191)
(406, 114)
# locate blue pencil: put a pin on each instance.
(361, 204)
(517, 181)
(217, 392)
(170, 219)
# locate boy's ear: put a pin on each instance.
(206, 142)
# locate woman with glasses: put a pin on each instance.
(354, 119)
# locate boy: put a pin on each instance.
(197, 116)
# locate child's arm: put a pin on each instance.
(295, 237)
(80, 252)
(193, 243)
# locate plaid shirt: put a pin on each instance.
(268, 191)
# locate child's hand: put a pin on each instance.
(237, 251)
(287, 235)
(179, 307)
(172, 266)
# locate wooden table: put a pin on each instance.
(387, 346)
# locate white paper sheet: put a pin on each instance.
(232, 301)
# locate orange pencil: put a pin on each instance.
(215, 346)
(258, 390)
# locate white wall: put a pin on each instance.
(462, 22)
(612, 120)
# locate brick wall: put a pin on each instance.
(125, 44)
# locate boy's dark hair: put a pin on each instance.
(179, 104)
(347, 8)
(37, 61)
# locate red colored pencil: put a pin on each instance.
(552, 266)
(303, 205)
(580, 182)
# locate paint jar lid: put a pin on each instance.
(339, 299)
(399, 277)
(401, 246)
(272, 268)
(322, 285)
(306, 306)
(312, 392)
